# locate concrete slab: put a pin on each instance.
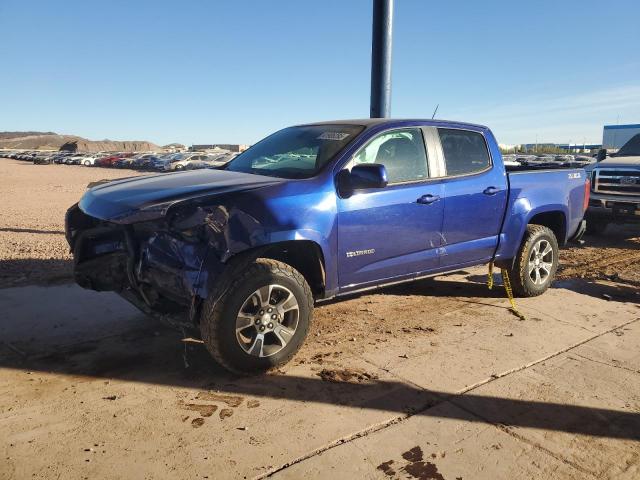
(618, 349)
(482, 341)
(442, 443)
(563, 418)
(586, 413)
(196, 421)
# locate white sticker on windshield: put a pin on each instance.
(333, 136)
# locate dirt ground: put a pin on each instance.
(614, 255)
(33, 249)
(435, 379)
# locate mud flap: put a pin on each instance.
(577, 237)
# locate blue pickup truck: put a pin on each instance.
(314, 212)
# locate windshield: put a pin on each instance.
(631, 148)
(295, 152)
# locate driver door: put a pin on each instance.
(391, 232)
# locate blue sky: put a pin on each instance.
(233, 71)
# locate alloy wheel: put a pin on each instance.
(267, 320)
(541, 262)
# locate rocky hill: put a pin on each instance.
(53, 141)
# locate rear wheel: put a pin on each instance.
(261, 319)
(537, 262)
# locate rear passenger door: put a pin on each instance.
(475, 197)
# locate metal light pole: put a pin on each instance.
(381, 44)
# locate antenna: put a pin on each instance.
(434, 112)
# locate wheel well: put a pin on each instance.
(303, 255)
(554, 221)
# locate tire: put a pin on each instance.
(531, 283)
(87, 163)
(233, 315)
(596, 226)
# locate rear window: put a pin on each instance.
(465, 152)
(631, 148)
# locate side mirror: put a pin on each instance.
(363, 176)
(368, 175)
(602, 154)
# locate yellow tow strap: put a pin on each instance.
(507, 287)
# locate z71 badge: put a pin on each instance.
(574, 175)
(357, 253)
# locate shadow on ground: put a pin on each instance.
(35, 271)
(31, 230)
(157, 356)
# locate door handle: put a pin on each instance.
(491, 190)
(428, 199)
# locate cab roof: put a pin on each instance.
(372, 122)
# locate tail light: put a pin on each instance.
(587, 194)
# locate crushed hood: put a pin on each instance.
(138, 199)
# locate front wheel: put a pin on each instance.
(262, 318)
(536, 263)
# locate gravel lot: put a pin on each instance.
(33, 249)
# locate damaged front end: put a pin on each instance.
(163, 266)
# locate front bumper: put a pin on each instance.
(155, 268)
(621, 209)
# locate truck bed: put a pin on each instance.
(537, 190)
(544, 166)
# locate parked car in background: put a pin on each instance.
(60, 157)
(161, 161)
(107, 160)
(110, 160)
(615, 183)
(145, 161)
(123, 162)
(88, 160)
(73, 159)
(193, 161)
(42, 159)
(180, 161)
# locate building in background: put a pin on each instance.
(566, 147)
(579, 147)
(615, 136)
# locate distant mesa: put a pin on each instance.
(53, 141)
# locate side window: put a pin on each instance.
(401, 152)
(465, 152)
